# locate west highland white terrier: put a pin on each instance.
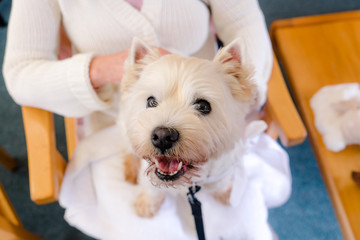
(183, 116)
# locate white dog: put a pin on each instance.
(184, 116)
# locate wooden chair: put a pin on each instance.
(11, 227)
(316, 51)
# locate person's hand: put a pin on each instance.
(107, 69)
(110, 68)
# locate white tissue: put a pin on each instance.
(337, 115)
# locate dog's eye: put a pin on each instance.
(151, 102)
(202, 106)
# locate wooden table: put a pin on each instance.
(317, 51)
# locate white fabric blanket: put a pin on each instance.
(100, 203)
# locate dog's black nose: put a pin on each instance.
(164, 138)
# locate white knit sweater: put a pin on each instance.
(34, 76)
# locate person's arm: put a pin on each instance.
(33, 74)
(243, 20)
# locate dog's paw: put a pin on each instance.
(147, 206)
(223, 197)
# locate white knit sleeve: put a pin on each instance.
(243, 20)
(33, 75)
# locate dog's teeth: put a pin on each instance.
(173, 173)
(179, 167)
(169, 173)
(156, 163)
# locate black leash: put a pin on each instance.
(196, 211)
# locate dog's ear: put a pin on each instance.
(139, 50)
(140, 55)
(232, 59)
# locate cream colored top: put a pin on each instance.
(34, 76)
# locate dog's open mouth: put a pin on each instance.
(169, 168)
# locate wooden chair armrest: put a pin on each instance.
(46, 165)
(71, 135)
(280, 111)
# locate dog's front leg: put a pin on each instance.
(221, 190)
(223, 196)
(150, 199)
(230, 191)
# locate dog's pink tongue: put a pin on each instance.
(168, 165)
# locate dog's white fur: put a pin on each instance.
(177, 83)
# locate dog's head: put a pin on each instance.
(182, 113)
